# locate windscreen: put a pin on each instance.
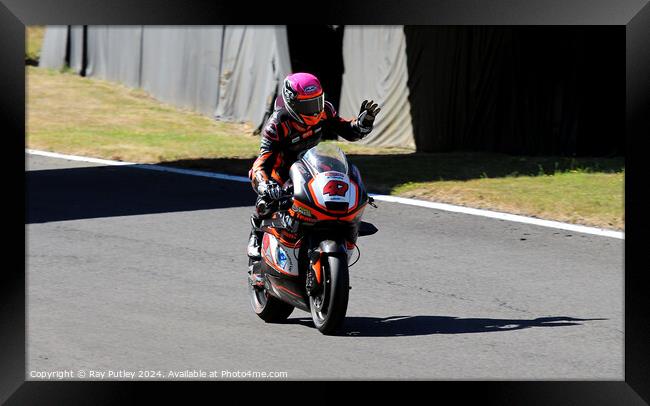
(326, 157)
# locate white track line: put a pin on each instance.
(394, 199)
(150, 167)
(503, 216)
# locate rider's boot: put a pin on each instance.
(255, 239)
(254, 255)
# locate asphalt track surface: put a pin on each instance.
(128, 269)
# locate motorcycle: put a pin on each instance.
(310, 239)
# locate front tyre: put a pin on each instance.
(328, 308)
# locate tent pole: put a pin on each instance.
(223, 38)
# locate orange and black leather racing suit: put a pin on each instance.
(283, 138)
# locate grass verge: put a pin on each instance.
(70, 114)
(576, 197)
(34, 37)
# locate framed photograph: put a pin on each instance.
(234, 194)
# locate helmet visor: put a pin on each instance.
(310, 107)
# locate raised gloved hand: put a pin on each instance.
(270, 189)
(367, 114)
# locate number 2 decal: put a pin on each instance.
(335, 188)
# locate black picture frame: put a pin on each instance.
(633, 15)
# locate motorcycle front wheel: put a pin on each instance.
(329, 306)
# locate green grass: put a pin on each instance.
(388, 172)
(34, 38)
(70, 114)
(585, 191)
(579, 197)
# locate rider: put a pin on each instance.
(300, 118)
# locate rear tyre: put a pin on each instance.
(329, 307)
(268, 308)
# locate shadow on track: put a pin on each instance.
(107, 191)
(397, 326)
(431, 167)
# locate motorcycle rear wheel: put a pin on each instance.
(268, 308)
(329, 307)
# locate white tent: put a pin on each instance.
(375, 69)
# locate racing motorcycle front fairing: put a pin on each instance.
(321, 219)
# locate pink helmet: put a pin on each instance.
(303, 97)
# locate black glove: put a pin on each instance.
(367, 114)
(270, 189)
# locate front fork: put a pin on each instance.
(318, 259)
